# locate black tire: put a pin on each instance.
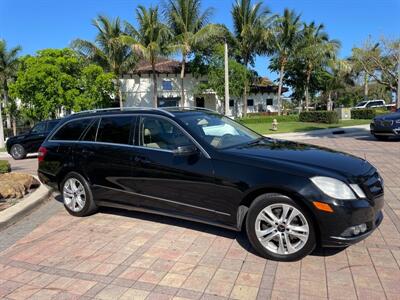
(381, 137)
(89, 206)
(264, 201)
(18, 152)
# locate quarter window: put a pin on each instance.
(115, 130)
(72, 130)
(161, 134)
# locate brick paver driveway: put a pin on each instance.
(128, 255)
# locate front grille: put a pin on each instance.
(373, 185)
(387, 123)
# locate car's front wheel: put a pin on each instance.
(280, 229)
(77, 196)
(18, 151)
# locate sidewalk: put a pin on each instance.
(323, 133)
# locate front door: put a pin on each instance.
(169, 182)
(35, 138)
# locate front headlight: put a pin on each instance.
(336, 189)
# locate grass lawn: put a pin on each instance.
(283, 127)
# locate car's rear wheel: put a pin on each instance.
(77, 196)
(381, 137)
(18, 151)
(280, 229)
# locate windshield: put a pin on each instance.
(361, 103)
(219, 131)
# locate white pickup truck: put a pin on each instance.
(374, 104)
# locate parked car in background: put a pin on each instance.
(385, 126)
(20, 145)
(198, 165)
(373, 104)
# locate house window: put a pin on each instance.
(231, 103)
(168, 101)
(167, 85)
(250, 102)
(270, 101)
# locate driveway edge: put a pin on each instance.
(16, 212)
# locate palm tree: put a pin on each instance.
(248, 21)
(314, 50)
(150, 40)
(284, 38)
(8, 69)
(108, 50)
(190, 28)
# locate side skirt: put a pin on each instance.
(162, 213)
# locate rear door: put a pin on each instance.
(105, 154)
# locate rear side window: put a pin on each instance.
(115, 130)
(71, 131)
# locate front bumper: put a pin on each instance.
(393, 130)
(347, 214)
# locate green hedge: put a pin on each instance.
(323, 116)
(367, 113)
(268, 119)
(4, 166)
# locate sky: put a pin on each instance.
(38, 24)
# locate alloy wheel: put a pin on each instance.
(17, 151)
(74, 195)
(282, 229)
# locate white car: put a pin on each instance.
(373, 104)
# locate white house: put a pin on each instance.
(137, 89)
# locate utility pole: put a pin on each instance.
(226, 79)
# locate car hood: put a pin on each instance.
(392, 116)
(16, 137)
(317, 160)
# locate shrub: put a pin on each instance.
(4, 166)
(367, 113)
(323, 116)
(268, 119)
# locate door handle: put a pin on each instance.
(142, 160)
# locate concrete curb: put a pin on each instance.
(16, 212)
(321, 133)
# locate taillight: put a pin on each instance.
(42, 153)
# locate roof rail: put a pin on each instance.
(189, 108)
(130, 108)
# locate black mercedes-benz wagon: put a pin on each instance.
(199, 165)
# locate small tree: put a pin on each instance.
(108, 50)
(8, 69)
(150, 40)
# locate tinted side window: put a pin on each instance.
(72, 130)
(115, 130)
(162, 134)
(39, 128)
(91, 133)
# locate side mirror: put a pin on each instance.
(185, 150)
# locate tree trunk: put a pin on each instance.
(244, 113)
(14, 126)
(330, 104)
(154, 84)
(306, 92)
(281, 72)
(366, 79)
(398, 86)
(183, 99)
(6, 99)
(1, 128)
